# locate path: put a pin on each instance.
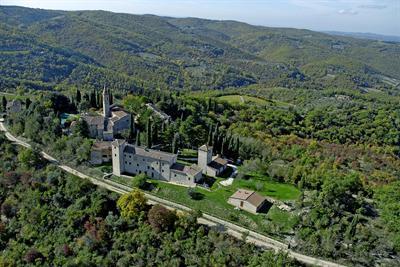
(214, 222)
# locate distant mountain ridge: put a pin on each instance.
(44, 49)
(365, 35)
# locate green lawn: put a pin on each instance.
(214, 202)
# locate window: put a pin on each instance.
(174, 175)
(241, 204)
(148, 167)
(115, 154)
(152, 175)
(188, 178)
(162, 170)
(130, 156)
(126, 162)
(137, 165)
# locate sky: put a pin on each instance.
(372, 16)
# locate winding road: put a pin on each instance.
(209, 220)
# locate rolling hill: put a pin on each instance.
(43, 49)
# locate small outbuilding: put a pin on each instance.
(247, 200)
(101, 153)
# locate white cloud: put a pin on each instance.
(373, 6)
(347, 12)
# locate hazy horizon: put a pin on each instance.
(353, 16)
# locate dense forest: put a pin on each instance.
(41, 49)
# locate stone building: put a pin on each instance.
(211, 166)
(113, 120)
(247, 200)
(100, 153)
(131, 159)
(14, 106)
(162, 115)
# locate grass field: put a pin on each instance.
(243, 99)
(214, 202)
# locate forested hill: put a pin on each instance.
(43, 48)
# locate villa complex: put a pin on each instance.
(114, 120)
(131, 159)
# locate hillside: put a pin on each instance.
(42, 48)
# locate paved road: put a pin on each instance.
(214, 222)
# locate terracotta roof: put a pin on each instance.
(119, 114)
(249, 196)
(256, 199)
(192, 170)
(94, 120)
(218, 163)
(149, 153)
(221, 161)
(101, 145)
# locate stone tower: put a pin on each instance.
(106, 103)
(118, 147)
(204, 157)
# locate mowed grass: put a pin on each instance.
(214, 202)
(243, 99)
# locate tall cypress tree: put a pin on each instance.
(78, 96)
(131, 129)
(174, 145)
(28, 102)
(148, 134)
(138, 138)
(4, 104)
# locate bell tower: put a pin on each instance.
(106, 103)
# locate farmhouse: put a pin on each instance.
(131, 159)
(114, 120)
(247, 200)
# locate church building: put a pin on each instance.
(112, 121)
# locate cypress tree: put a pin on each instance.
(78, 96)
(131, 130)
(138, 138)
(28, 102)
(210, 135)
(148, 133)
(154, 130)
(175, 143)
(4, 103)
